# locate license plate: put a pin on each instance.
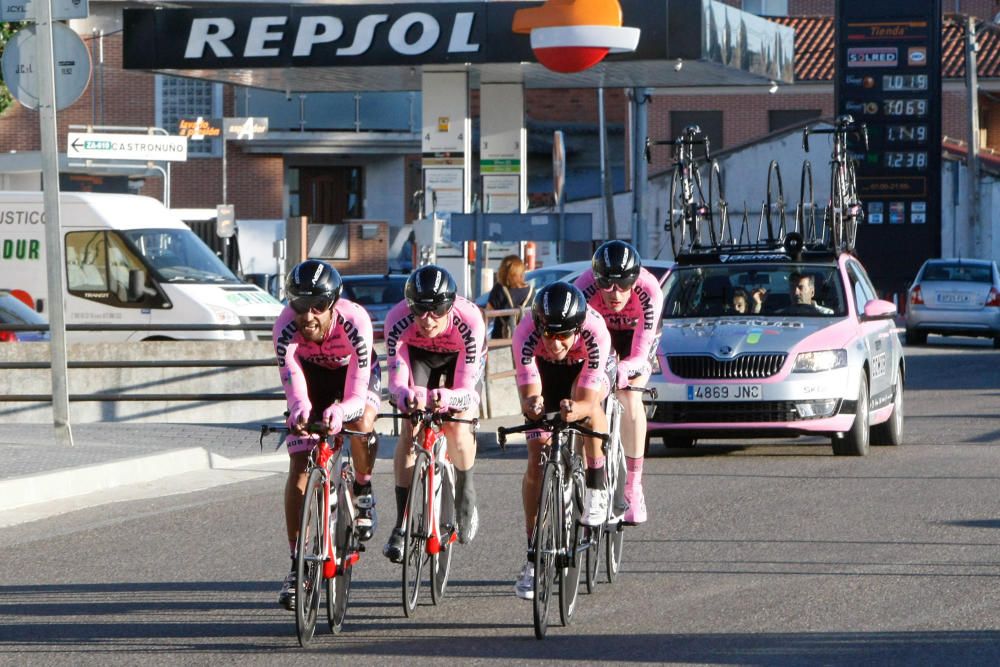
(724, 392)
(954, 298)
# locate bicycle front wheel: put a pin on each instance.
(573, 535)
(718, 211)
(547, 526)
(441, 561)
(338, 588)
(415, 539)
(677, 211)
(309, 557)
(836, 212)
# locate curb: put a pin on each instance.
(28, 490)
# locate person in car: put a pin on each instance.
(330, 374)
(628, 298)
(803, 289)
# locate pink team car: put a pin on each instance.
(767, 345)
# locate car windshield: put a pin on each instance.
(375, 291)
(14, 311)
(741, 290)
(179, 256)
(963, 273)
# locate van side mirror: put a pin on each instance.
(39, 305)
(136, 284)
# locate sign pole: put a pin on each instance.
(53, 233)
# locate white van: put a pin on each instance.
(128, 261)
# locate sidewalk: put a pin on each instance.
(35, 468)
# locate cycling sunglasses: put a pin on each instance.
(311, 304)
(619, 284)
(560, 335)
(436, 310)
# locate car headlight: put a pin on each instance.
(816, 362)
(224, 315)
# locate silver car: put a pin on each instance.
(954, 297)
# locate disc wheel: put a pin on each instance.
(573, 534)
(415, 538)
(613, 546)
(441, 561)
(309, 558)
(546, 546)
(338, 588)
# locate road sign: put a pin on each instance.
(142, 147)
(24, 10)
(20, 65)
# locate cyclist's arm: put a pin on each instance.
(523, 347)
(597, 347)
(359, 367)
(462, 395)
(647, 289)
(397, 322)
(587, 284)
(293, 379)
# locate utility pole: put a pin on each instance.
(972, 90)
(640, 173)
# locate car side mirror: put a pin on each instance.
(879, 309)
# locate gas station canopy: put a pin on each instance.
(388, 46)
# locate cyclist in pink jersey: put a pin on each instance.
(561, 356)
(330, 374)
(628, 297)
(436, 338)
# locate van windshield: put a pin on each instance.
(178, 255)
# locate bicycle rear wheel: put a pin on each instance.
(415, 539)
(309, 557)
(857, 212)
(441, 561)
(338, 588)
(569, 581)
(677, 214)
(775, 207)
(546, 547)
(614, 543)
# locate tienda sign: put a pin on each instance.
(573, 35)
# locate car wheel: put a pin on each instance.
(916, 337)
(855, 441)
(891, 432)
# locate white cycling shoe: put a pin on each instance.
(595, 507)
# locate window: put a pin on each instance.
(177, 98)
(710, 123)
(778, 119)
(100, 267)
(766, 7)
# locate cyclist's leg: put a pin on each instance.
(633, 434)
(363, 460)
(462, 451)
(595, 505)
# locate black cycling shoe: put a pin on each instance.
(286, 598)
(467, 517)
(364, 523)
(393, 549)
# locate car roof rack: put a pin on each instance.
(790, 248)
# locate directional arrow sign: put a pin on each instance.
(143, 147)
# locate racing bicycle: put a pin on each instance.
(688, 210)
(429, 524)
(559, 539)
(328, 546)
(844, 210)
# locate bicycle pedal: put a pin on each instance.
(362, 547)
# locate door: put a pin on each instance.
(330, 195)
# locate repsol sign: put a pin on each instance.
(287, 35)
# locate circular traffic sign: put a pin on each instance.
(71, 62)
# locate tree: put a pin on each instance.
(7, 31)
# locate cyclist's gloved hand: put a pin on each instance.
(441, 399)
(298, 417)
(628, 370)
(402, 398)
(333, 417)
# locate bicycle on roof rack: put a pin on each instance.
(844, 210)
(692, 219)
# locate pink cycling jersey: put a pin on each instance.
(592, 347)
(348, 343)
(464, 335)
(640, 315)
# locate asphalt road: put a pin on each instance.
(776, 554)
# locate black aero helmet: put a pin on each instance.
(616, 263)
(313, 284)
(430, 289)
(559, 308)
